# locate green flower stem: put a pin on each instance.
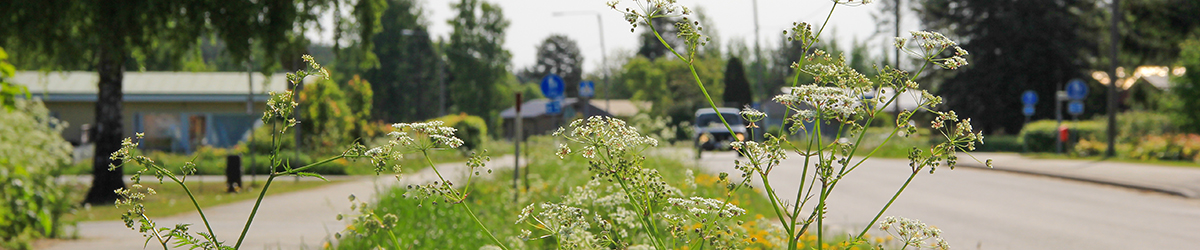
(254, 211)
(394, 240)
(821, 214)
(651, 230)
(775, 200)
(889, 204)
(481, 226)
(306, 167)
(196, 204)
(461, 198)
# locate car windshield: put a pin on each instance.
(706, 120)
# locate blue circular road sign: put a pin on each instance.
(552, 86)
(1075, 108)
(1076, 89)
(587, 89)
(1029, 97)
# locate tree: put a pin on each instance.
(737, 88)
(407, 77)
(651, 48)
(104, 35)
(1187, 87)
(1153, 29)
(559, 55)
(477, 58)
(669, 85)
(1015, 45)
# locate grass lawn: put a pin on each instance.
(448, 226)
(172, 200)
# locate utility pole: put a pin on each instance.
(603, 52)
(897, 59)
(1112, 81)
(250, 111)
(758, 67)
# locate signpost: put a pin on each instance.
(1075, 91)
(1029, 98)
(587, 89)
(552, 88)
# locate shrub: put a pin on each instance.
(471, 129)
(31, 202)
(1001, 143)
(1175, 147)
(1040, 136)
(1135, 125)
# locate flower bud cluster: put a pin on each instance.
(914, 233)
(367, 222)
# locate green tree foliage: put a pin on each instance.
(477, 58)
(1187, 87)
(737, 88)
(335, 115)
(104, 35)
(651, 47)
(559, 55)
(407, 77)
(1015, 45)
(669, 85)
(32, 202)
(8, 90)
(1153, 29)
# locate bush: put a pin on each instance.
(1039, 136)
(1135, 125)
(471, 129)
(31, 202)
(1001, 143)
(1178, 147)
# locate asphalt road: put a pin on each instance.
(984, 209)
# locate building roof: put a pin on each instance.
(621, 107)
(152, 86)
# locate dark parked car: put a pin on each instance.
(711, 134)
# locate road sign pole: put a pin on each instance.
(517, 149)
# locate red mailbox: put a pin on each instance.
(1063, 133)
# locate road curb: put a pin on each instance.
(1163, 190)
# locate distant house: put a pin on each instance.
(536, 121)
(177, 111)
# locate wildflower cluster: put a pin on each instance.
(647, 10)
(705, 220)
(930, 46)
(816, 102)
(604, 135)
(914, 233)
(835, 72)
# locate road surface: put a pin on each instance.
(984, 209)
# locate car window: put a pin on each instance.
(706, 120)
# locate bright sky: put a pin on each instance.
(532, 21)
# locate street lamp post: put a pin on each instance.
(603, 52)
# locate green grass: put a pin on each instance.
(171, 199)
(448, 226)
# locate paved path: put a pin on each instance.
(302, 219)
(988, 209)
(1173, 180)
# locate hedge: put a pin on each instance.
(1039, 136)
